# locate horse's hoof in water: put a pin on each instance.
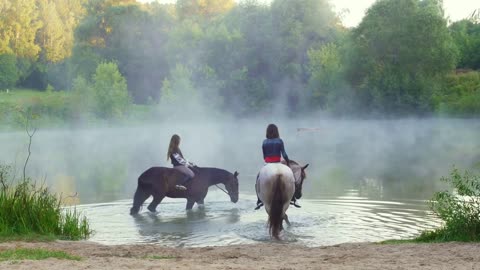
(180, 187)
(201, 206)
(133, 212)
(151, 209)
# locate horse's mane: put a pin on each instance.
(214, 171)
(292, 162)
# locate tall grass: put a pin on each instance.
(459, 209)
(27, 208)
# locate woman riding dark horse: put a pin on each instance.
(179, 162)
(273, 150)
(160, 182)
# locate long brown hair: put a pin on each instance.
(173, 147)
(272, 132)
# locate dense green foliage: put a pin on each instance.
(401, 51)
(110, 90)
(466, 35)
(460, 95)
(29, 209)
(8, 71)
(458, 209)
(242, 57)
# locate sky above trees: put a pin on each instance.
(454, 9)
(353, 11)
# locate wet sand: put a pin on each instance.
(257, 256)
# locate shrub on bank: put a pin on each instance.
(30, 209)
(459, 209)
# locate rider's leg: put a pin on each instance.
(188, 175)
(259, 203)
(294, 202)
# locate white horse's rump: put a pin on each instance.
(275, 188)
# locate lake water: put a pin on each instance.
(322, 221)
(367, 180)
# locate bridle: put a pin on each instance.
(226, 192)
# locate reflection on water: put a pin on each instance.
(323, 221)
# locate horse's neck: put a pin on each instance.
(216, 180)
(216, 177)
(297, 173)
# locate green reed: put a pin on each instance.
(27, 208)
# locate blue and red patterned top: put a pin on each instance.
(273, 150)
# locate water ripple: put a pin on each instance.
(319, 222)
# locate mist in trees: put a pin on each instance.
(246, 57)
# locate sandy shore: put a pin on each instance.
(258, 256)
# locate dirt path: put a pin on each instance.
(258, 256)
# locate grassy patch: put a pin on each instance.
(34, 254)
(398, 241)
(27, 210)
(25, 95)
(59, 109)
(160, 257)
(49, 108)
(30, 237)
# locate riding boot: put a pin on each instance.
(183, 182)
(259, 204)
(294, 203)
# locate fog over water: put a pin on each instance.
(400, 158)
(367, 180)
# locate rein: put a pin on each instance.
(222, 189)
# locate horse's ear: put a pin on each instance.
(304, 167)
(235, 174)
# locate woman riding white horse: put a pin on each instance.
(273, 150)
(276, 183)
(275, 188)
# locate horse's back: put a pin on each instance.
(154, 174)
(268, 177)
(152, 171)
(271, 171)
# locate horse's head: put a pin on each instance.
(300, 175)
(232, 187)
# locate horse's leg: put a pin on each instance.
(201, 203)
(286, 220)
(156, 200)
(190, 203)
(138, 199)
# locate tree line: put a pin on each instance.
(404, 58)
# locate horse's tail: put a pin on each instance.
(141, 194)
(275, 218)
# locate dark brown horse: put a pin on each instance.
(160, 182)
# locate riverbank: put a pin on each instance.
(257, 256)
